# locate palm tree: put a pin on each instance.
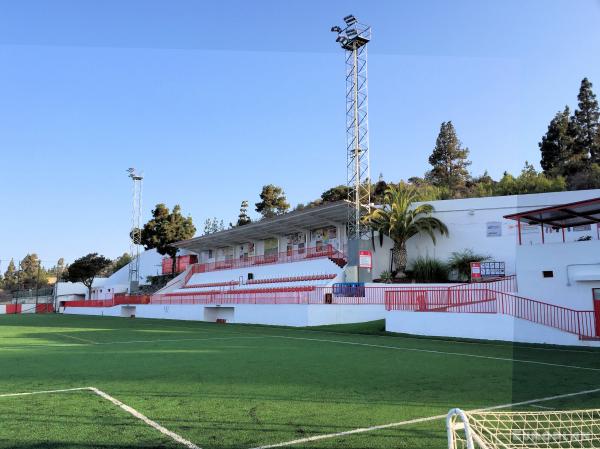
(399, 221)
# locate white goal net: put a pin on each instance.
(523, 430)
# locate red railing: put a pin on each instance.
(310, 277)
(442, 300)
(282, 257)
(578, 322)
(115, 301)
(213, 284)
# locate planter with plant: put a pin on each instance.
(460, 263)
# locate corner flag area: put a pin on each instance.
(101, 382)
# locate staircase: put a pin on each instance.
(339, 261)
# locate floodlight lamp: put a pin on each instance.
(350, 20)
(336, 29)
(352, 33)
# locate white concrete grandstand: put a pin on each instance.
(292, 270)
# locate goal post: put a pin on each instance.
(572, 429)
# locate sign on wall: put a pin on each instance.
(487, 270)
(365, 259)
(493, 229)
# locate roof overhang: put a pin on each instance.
(329, 214)
(580, 213)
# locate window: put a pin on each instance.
(548, 274)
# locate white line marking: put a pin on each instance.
(85, 340)
(419, 420)
(541, 406)
(64, 390)
(433, 351)
(122, 342)
(174, 340)
(119, 404)
(145, 419)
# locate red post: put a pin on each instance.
(519, 226)
(543, 239)
(563, 233)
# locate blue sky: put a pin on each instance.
(211, 100)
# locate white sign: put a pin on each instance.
(365, 259)
(494, 229)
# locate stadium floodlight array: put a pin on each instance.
(353, 38)
(572, 429)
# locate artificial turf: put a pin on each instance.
(240, 387)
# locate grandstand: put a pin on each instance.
(293, 270)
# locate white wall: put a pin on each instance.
(299, 315)
(467, 221)
(150, 265)
(480, 326)
(557, 257)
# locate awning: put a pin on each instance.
(329, 214)
(568, 215)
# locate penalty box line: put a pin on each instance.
(174, 436)
(421, 420)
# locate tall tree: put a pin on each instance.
(10, 276)
(272, 201)
(586, 143)
(243, 218)
(337, 193)
(32, 273)
(400, 221)
(120, 262)
(212, 225)
(166, 228)
(86, 269)
(556, 144)
(449, 160)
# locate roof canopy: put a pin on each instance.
(562, 216)
(329, 214)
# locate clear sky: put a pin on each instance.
(213, 99)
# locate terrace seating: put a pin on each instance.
(212, 285)
(306, 278)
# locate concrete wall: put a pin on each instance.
(468, 220)
(299, 315)
(478, 326)
(573, 291)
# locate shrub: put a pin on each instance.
(386, 277)
(460, 261)
(425, 269)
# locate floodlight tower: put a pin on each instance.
(136, 230)
(353, 39)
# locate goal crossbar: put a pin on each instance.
(572, 429)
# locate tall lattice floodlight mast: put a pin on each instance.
(353, 38)
(136, 230)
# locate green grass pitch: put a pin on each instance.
(242, 387)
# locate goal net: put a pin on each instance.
(523, 430)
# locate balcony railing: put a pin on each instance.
(296, 255)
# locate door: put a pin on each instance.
(596, 295)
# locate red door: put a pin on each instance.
(596, 294)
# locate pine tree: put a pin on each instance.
(10, 276)
(586, 145)
(32, 273)
(556, 144)
(273, 201)
(449, 160)
(243, 218)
